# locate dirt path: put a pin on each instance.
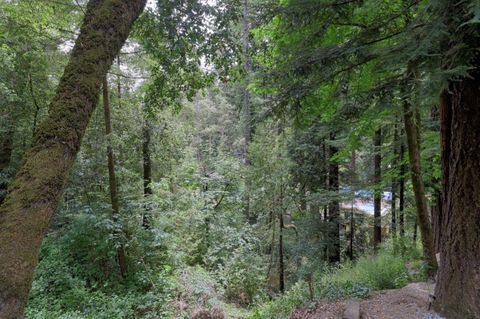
(409, 302)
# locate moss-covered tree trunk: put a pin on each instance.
(35, 193)
(458, 288)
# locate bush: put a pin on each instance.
(282, 307)
(77, 277)
(350, 280)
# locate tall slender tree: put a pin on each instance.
(377, 198)
(247, 111)
(6, 149)
(147, 170)
(112, 182)
(413, 143)
(334, 206)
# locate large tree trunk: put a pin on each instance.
(377, 198)
(36, 191)
(122, 262)
(334, 206)
(457, 290)
(412, 132)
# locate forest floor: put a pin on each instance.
(409, 302)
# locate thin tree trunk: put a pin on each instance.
(147, 173)
(457, 291)
(271, 250)
(436, 207)
(377, 199)
(415, 230)
(334, 206)
(6, 149)
(352, 221)
(35, 193)
(119, 83)
(437, 221)
(413, 133)
(281, 270)
(122, 263)
(35, 103)
(394, 183)
(352, 232)
(401, 184)
(247, 112)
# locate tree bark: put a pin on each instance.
(247, 113)
(413, 133)
(281, 268)
(6, 149)
(147, 172)
(36, 191)
(394, 182)
(377, 198)
(436, 214)
(353, 168)
(401, 192)
(334, 206)
(122, 263)
(457, 291)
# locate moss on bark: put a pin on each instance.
(35, 192)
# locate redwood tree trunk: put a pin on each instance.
(122, 263)
(36, 191)
(458, 288)
(377, 199)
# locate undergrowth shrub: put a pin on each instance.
(77, 276)
(281, 307)
(385, 270)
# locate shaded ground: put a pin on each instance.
(409, 302)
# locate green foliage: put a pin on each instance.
(350, 280)
(319, 67)
(374, 272)
(282, 307)
(78, 277)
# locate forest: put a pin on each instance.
(239, 159)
